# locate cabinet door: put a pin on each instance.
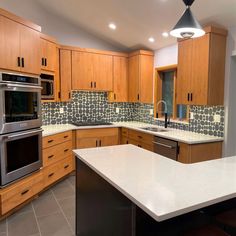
(146, 78)
(133, 79)
(65, 74)
(109, 140)
(49, 52)
(82, 70)
(86, 142)
(9, 44)
(30, 50)
(120, 72)
(200, 70)
(102, 72)
(184, 72)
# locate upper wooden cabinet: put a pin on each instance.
(65, 75)
(140, 76)
(48, 53)
(91, 71)
(120, 80)
(201, 68)
(19, 45)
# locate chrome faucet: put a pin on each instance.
(165, 111)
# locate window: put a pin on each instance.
(166, 90)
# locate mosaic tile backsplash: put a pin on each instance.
(94, 106)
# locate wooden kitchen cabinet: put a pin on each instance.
(19, 45)
(65, 75)
(120, 80)
(137, 138)
(91, 71)
(140, 76)
(201, 68)
(192, 153)
(98, 137)
(48, 53)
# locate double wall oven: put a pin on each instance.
(20, 121)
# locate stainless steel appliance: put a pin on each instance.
(20, 101)
(47, 83)
(166, 147)
(21, 154)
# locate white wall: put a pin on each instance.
(55, 26)
(166, 56)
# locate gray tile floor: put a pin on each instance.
(52, 214)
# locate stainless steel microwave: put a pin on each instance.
(47, 84)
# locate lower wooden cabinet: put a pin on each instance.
(100, 137)
(199, 152)
(21, 191)
(140, 139)
(56, 171)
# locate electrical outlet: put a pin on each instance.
(61, 110)
(117, 110)
(217, 118)
(151, 112)
(191, 115)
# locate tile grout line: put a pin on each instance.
(73, 232)
(36, 219)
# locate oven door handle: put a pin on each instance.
(164, 145)
(9, 137)
(12, 86)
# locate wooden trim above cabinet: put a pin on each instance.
(216, 30)
(96, 51)
(20, 20)
(141, 52)
(48, 38)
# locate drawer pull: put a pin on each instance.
(50, 141)
(50, 175)
(49, 157)
(24, 192)
(164, 145)
(66, 136)
(66, 150)
(66, 166)
(140, 136)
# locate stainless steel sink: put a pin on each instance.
(155, 129)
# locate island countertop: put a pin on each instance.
(161, 187)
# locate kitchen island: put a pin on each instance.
(126, 190)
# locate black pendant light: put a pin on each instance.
(187, 26)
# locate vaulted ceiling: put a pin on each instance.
(137, 20)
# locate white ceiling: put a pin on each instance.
(137, 20)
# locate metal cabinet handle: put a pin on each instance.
(50, 141)
(66, 150)
(100, 143)
(24, 192)
(96, 143)
(42, 61)
(114, 96)
(18, 61)
(188, 96)
(49, 157)
(66, 136)
(50, 175)
(138, 97)
(191, 97)
(91, 84)
(66, 166)
(23, 62)
(164, 145)
(140, 136)
(95, 84)
(46, 62)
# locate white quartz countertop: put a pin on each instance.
(174, 134)
(161, 187)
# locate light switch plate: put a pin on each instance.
(217, 118)
(117, 110)
(61, 110)
(151, 111)
(191, 115)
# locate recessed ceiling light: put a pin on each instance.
(151, 39)
(112, 26)
(165, 34)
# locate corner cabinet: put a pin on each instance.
(201, 69)
(19, 45)
(140, 76)
(120, 80)
(91, 71)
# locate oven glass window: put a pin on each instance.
(20, 106)
(22, 152)
(47, 88)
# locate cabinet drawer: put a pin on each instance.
(56, 153)
(21, 191)
(101, 132)
(124, 132)
(52, 140)
(140, 136)
(56, 171)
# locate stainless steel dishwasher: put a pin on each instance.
(166, 147)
